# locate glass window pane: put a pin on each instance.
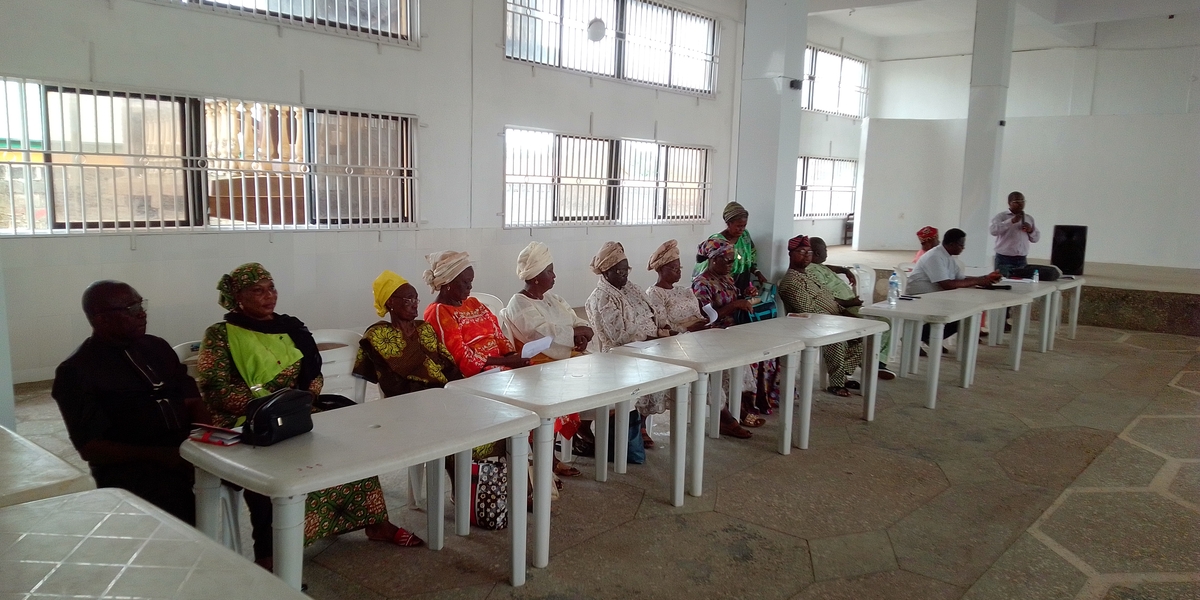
(532, 28)
(648, 30)
(580, 53)
(687, 187)
(357, 159)
(529, 177)
(692, 52)
(583, 166)
(825, 86)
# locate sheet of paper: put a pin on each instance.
(536, 347)
(710, 312)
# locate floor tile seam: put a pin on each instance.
(1070, 557)
(807, 543)
(1165, 476)
(1148, 577)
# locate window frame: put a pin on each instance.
(614, 194)
(800, 203)
(810, 73)
(619, 32)
(37, 177)
(408, 39)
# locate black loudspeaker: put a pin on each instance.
(1070, 244)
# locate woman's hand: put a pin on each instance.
(761, 278)
(583, 335)
(742, 304)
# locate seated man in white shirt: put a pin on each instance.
(937, 270)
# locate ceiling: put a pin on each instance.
(891, 18)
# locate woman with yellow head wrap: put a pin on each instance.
(402, 354)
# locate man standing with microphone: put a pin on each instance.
(1014, 230)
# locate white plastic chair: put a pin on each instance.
(185, 351)
(904, 270)
(866, 283)
(336, 363)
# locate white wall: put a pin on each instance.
(458, 85)
(1104, 136)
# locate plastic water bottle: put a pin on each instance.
(893, 296)
(1036, 276)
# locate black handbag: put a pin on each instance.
(284, 414)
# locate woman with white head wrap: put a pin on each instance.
(468, 329)
(535, 313)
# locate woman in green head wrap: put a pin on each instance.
(745, 262)
(253, 352)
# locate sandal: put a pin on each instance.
(562, 469)
(853, 385)
(753, 420)
(403, 538)
(838, 391)
(735, 430)
(647, 441)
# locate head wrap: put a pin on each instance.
(385, 285)
(444, 267)
(238, 280)
(927, 233)
(665, 253)
(533, 260)
(714, 247)
(800, 241)
(733, 211)
(610, 254)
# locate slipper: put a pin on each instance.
(647, 441)
(404, 538)
(564, 470)
(735, 430)
(853, 385)
(837, 391)
(753, 420)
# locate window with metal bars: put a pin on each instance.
(825, 187)
(379, 20)
(834, 83)
(554, 179)
(646, 42)
(88, 160)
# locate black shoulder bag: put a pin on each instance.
(284, 414)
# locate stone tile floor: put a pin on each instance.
(1077, 477)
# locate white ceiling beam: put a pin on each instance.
(1099, 11)
(820, 6)
(1041, 14)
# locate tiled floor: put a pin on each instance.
(1077, 477)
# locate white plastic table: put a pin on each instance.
(29, 472)
(937, 309)
(110, 543)
(710, 353)
(1043, 290)
(360, 441)
(816, 331)
(1063, 284)
(591, 381)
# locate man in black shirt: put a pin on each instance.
(125, 399)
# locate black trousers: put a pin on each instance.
(951, 329)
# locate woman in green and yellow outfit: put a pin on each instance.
(745, 261)
(254, 352)
(402, 354)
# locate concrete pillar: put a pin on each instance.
(8, 416)
(769, 125)
(990, 62)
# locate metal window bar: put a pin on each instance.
(647, 42)
(96, 161)
(382, 21)
(556, 180)
(825, 187)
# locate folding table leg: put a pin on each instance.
(1047, 322)
(602, 443)
(518, 489)
(870, 382)
(462, 491)
(1018, 337)
(787, 401)
(621, 441)
(905, 353)
(1056, 316)
(207, 489)
(714, 404)
(678, 443)
(936, 330)
(808, 368)
(967, 328)
(735, 392)
(995, 326)
(543, 464)
(287, 533)
(435, 495)
(1074, 315)
(696, 476)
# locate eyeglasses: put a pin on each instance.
(409, 300)
(132, 310)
